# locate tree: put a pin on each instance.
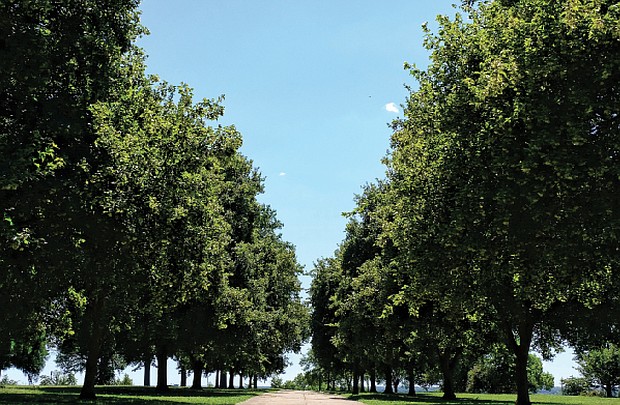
(58, 378)
(601, 366)
(57, 60)
(163, 180)
(125, 215)
(495, 373)
(576, 386)
(506, 163)
(326, 276)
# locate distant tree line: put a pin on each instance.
(130, 228)
(496, 230)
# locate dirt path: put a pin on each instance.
(286, 397)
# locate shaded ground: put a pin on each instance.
(18, 395)
(123, 395)
(478, 399)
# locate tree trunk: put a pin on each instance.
(147, 371)
(396, 382)
(217, 379)
(448, 363)
(183, 378)
(388, 381)
(609, 390)
(373, 380)
(255, 382)
(90, 375)
(95, 341)
(240, 381)
(520, 346)
(356, 381)
(162, 368)
(197, 379)
(362, 387)
(223, 379)
(411, 379)
(231, 380)
(523, 389)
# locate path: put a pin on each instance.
(287, 397)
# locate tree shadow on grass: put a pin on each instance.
(426, 399)
(122, 395)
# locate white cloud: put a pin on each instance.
(282, 174)
(391, 107)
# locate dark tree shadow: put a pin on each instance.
(427, 399)
(115, 395)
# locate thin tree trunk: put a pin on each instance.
(240, 381)
(223, 384)
(520, 346)
(356, 381)
(373, 380)
(147, 371)
(217, 378)
(183, 378)
(362, 387)
(411, 379)
(396, 382)
(162, 369)
(388, 381)
(94, 348)
(255, 382)
(609, 390)
(231, 380)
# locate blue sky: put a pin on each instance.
(306, 83)
(311, 85)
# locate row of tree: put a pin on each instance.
(499, 220)
(130, 225)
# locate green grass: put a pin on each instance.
(478, 399)
(123, 395)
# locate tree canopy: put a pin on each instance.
(130, 221)
(500, 208)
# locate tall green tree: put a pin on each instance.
(56, 60)
(506, 162)
(601, 366)
(163, 181)
(325, 279)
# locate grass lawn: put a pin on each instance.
(123, 395)
(478, 399)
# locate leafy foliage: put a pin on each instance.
(498, 221)
(57, 378)
(130, 221)
(601, 367)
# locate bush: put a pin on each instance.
(126, 380)
(576, 386)
(7, 381)
(495, 373)
(58, 378)
(276, 382)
